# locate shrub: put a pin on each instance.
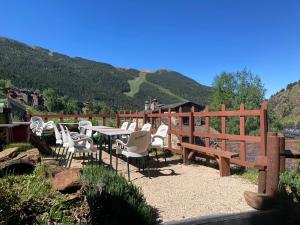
(289, 185)
(113, 200)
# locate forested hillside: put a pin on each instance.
(86, 80)
(286, 104)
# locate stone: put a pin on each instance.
(259, 201)
(16, 160)
(67, 181)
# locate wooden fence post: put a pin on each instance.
(46, 117)
(104, 120)
(118, 119)
(263, 146)
(207, 128)
(136, 120)
(61, 117)
(145, 118)
(75, 118)
(180, 128)
(223, 128)
(170, 128)
(90, 117)
(282, 155)
(273, 163)
(242, 133)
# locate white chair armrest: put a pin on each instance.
(120, 142)
(157, 136)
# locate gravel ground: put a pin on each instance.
(178, 191)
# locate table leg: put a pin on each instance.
(110, 150)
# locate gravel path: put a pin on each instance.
(178, 191)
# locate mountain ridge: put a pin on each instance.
(39, 68)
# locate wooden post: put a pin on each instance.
(273, 164)
(207, 128)
(170, 128)
(144, 118)
(180, 128)
(46, 117)
(191, 125)
(282, 156)
(159, 117)
(90, 117)
(263, 146)
(136, 120)
(223, 128)
(118, 119)
(130, 116)
(104, 120)
(75, 118)
(61, 117)
(242, 133)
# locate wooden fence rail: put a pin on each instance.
(186, 128)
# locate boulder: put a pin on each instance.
(17, 160)
(259, 201)
(52, 167)
(67, 181)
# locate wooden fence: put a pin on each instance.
(267, 161)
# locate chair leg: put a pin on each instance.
(156, 154)
(117, 163)
(62, 155)
(71, 157)
(58, 152)
(147, 164)
(67, 159)
(128, 169)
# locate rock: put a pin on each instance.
(52, 167)
(258, 201)
(19, 160)
(8, 153)
(67, 181)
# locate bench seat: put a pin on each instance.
(222, 156)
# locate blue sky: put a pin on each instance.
(199, 38)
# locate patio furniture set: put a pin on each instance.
(129, 142)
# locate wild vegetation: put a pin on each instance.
(286, 104)
(235, 88)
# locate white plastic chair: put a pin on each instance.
(136, 147)
(84, 145)
(124, 125)
(158, 138)
(132, 126)
(146, 127)
(58, 139)
(40, 128)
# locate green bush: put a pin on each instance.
(113, 200)
(289, 185)
(29, 199)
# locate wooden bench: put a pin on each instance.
(222, 156)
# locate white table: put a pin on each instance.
(109, 132)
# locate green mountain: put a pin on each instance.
(286, 104)
(38, 68)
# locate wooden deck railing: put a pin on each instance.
(270, 144)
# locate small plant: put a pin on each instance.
(113, 200)
(20, 146)
(289, 185)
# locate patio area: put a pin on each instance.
(179, 191)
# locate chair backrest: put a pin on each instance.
(138, 141)
(124, 125)
(132, 126)
(162, 130)
(82, 125)
(64, 135)
(146, 127)
(71, 143)
(56, 132)
(35, 121)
